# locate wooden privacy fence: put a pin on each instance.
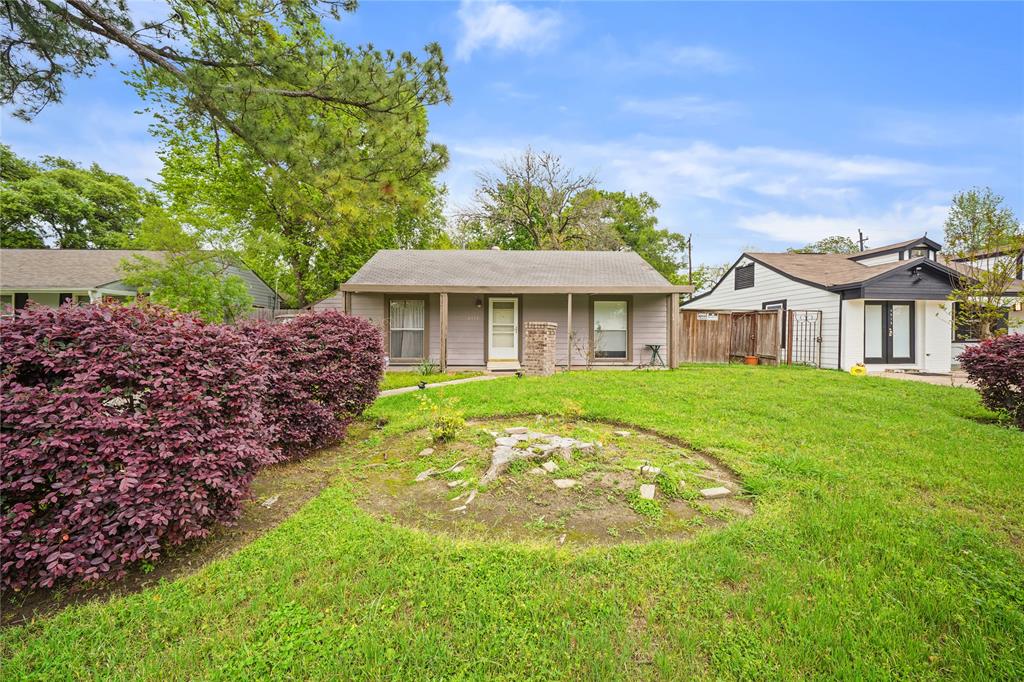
(723, 336)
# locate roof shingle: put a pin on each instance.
(511, 271)
(71, 269)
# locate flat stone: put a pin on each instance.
(426, 452)
(456, 484)
(561, 539)
(458, 509)
(536, 470)
(712, 493)
(585, 447)
(507, 441)
(472, 496)
(648, 469)
(424, 475)
(517, 429)
(624, 434)
(647, 491)
(563, 483)
(549, 467)
(270, 501)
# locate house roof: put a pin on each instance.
(1016, 286)
(509, 272)
(68, 269)
(895, 247)
(824, 269)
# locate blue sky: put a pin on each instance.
(755, 125)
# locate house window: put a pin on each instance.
(965, 329)
(744, 276)
(407, 324)
(610, 329)
(919, 253)
(7, 305)
(82, 299)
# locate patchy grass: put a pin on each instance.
(411, 378)
(888, 543)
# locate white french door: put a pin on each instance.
(889, 332)
(503, 329)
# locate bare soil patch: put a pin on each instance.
(603, 504)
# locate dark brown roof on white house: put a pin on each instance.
(510, 272)
(69, 269)
(825, 269)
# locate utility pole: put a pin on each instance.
(689, 260)
(861, 239)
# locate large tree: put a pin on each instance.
(633, 220)
(58, 203)
(303, 239)
(238, 65)
(985, 235)
(535, 201)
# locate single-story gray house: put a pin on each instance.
(467, 309)
(51, 277)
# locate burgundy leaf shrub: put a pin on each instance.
(997, 366)
(324, 369)
(124, 430)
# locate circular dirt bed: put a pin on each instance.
(551, 481)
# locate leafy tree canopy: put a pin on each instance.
(188, 277)
(987, 237)
(833, 244)
(239, 66)
(536, 202)
(57, 203)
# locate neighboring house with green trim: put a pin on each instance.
(51, 277)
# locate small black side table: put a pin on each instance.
(656, 358)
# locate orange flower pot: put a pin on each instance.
(750, 360)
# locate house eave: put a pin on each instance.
(527, 289)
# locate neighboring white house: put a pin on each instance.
(886, 307)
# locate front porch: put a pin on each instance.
(484, 331)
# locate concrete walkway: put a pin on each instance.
(409, 389)
(956, 378)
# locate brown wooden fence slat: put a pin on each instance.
(721, 335)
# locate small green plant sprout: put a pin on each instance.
(651, 509)
(445, 421)
(426, 367)
(669, 485)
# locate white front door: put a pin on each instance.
(503, 329)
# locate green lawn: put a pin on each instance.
(403, 379)
(888, 542)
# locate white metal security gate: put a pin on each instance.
(803, 338)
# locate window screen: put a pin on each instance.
(611, 329)
(407, 324)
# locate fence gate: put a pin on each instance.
(803, 337)
(725, 336)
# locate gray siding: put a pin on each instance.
(467, 336)
(262, 295)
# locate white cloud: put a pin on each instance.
(699, 57)
(504, 26)
(679, 108)
(901, 221)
